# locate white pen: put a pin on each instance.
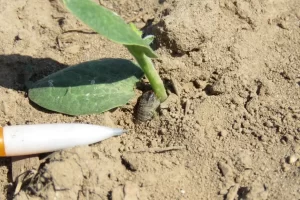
(34, 139)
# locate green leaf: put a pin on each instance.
(108, 24)
(135, 29)
(86, 88)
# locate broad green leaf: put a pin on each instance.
(86, 88)
(108, 24)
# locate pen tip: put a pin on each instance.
(119, 131)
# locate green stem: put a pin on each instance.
(146, 64)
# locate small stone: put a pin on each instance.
(162, 131)
(246, 131)
(122, 149)
(268, 124)
(236, 126)
(225, 169)
(223, 133)
(286, 167)
(239, 179)
(200, 84)
(128, 121)
(292, 159)
(297, 164)
(246, 124)
(164, 112)
(232, 192)
(223, 192)
(297, 149)
(153, 143)
(289, 138)
(39, 186)
(121, 122)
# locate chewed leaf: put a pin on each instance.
(86, 88)
(108, 24)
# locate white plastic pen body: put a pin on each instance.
(33, 139)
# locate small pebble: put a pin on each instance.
(236, 126)
(246, 131)
(200, 84)
(232, 192)
(153, 143)
(223, 133)
(225, 169)
(286, 167)
(246, 124)
(297, 148)
(121, 123)
(223, 192)
(297, 163)
(292, 159)
(162, 131)
(239, 179)
(269, 124)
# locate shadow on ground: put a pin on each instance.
(16, 69)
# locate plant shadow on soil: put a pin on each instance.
(16, 68)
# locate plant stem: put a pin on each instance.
(147, 66)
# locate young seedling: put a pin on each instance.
(97, 86)
(113, 27)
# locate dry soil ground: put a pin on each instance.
(232, 69)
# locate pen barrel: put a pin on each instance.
(34, 139)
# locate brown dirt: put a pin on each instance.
(235, 69)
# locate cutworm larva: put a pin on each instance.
(147, 106)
